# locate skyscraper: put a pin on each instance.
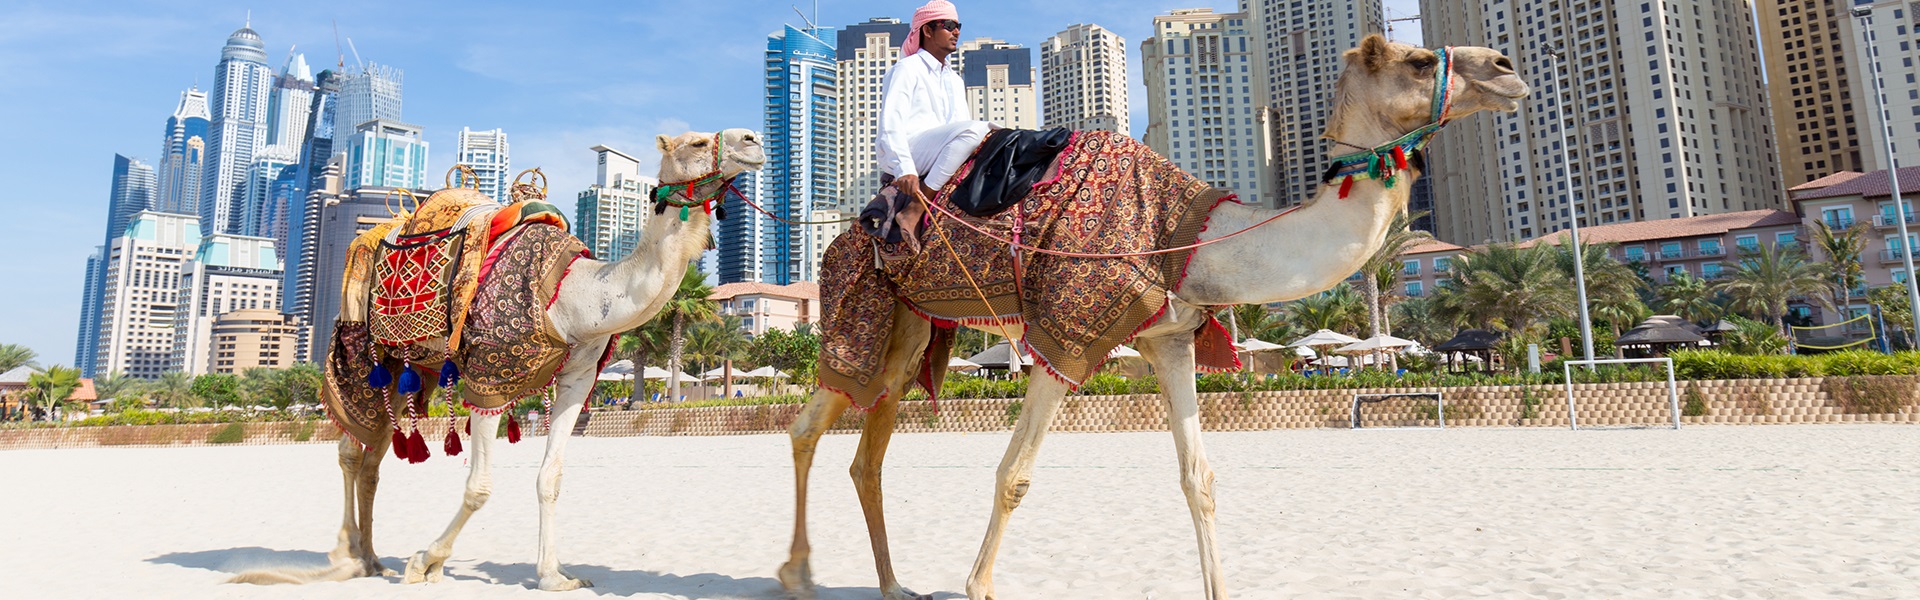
(142, 293)
(1879, 51)
(317, 160)
(1299, 51)
(803, 143)
(343, 216)
(183, 154)
(1083, 79)
(384, 153)
(304, 271)
(227, 273)
(741, 251)
(266, 210)
(290, 106)
(132, 193)
(1662, 103)
(999, 78)
(241, 85)
(367, 94)
(1200, 98)
(486, 153)
(863, 53)
(610, 214)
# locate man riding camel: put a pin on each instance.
(926, 127)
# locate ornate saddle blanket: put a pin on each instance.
(1113, 196)
(408, 292)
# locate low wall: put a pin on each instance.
(1741, 401)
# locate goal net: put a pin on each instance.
(1858, 332)
(1597, 407)
(1419, 410)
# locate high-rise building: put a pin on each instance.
(863, 53)
(132, 192)
(486, 153)
(246, 339)
(740, 251)
(316, 156)
(183, 153)
(803, 143)
(610, 214)
(343, 216)
(290, 106)
(382, 153)
(1200, 99)
(1811, 92)
(367, 94)
(142, 293)
(1697, 140)
(1083, 80)
(227, 273)
(303, 273)
(241, 85)
(1294, 71)
(999, 78)
(268, 185)
(1881, 50)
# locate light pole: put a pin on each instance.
(1864, 13)
(1573, 212)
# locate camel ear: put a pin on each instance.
(666, 143)
(1375, 53)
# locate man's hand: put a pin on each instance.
(910, 184)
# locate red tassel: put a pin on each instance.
(469, 427)
(399, 444)
(418, 452)
(1346, 186)
(452, 445)
(513, 430)
(1399, 158)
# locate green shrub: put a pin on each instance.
(233, 433)
(1696, 405)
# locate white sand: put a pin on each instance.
(1708, 512)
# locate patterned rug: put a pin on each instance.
(1113, 196)
(511, 349)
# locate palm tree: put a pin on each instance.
(50, 388)
(113, 385)
(1256, 322)
(712, 344)
(1609, 281)
(14, 356)
(1843, 266)
(1338, 309)
(643, 345)
(1691, 298)
(689, 305)
(1384, 269)
(173, 390)
(1506, 288)
(1418, 320)
(1768, 278)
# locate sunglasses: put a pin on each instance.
(948, 25)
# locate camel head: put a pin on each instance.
(1390, 86)
(690, 155)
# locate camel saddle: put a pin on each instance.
(414, 284)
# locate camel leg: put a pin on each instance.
(907, 342)
(820, 413)
(575, 383)
(1044, 393)
(429, 564)
(1173, 356)
(347, 549)
(367, 483)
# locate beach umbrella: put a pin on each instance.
(1257, 345)
(719, 373)
(767, 371)
(1378, 342)
(658, 373)
(961, 364)
(1325, 337)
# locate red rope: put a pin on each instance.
(743, 198)
(943, 210)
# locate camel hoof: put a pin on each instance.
(899, 593)
(422, 568)
(797, 579)
(563, 582)
(979, 590)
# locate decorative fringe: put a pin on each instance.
(399, 444)
(513, 429)
(379, 378)
(417, 451)
(469, 426)
(1346, 187)
(452, 444)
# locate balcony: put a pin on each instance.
(1839, 222)
(1887, 221)
(1670, 254)
(1713, 251)
(1893, 255)
(1410, 271)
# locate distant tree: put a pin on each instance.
(14, 356)
(49, 389)
(1767, 278)
(690, 304)
(1506, 288)
(1339, 309)
(1843, 267)
(1691, 298)
(796, 352)
(173, 390)
(216, 389)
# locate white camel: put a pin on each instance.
(596, 300)
(1385, 92)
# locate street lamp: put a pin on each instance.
(1864, 14)
(1558, 53)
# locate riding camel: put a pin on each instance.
(593, 301)
(1389, 100)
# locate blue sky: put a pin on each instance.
(85, 80)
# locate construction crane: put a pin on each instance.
(1391, 21)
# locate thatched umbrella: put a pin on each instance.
(1473, 342)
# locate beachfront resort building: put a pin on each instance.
(762, 307)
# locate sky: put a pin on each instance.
(85, 80)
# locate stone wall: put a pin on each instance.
(1741, 401)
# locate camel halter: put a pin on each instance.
(1384, 162)
(713, 203)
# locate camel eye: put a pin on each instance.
(1421, 63)
(699, 143)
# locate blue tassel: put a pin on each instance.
(380, 377)
(449, 374)
(409, 381)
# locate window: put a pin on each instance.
(1838, 218)
(1414, 289)
(1670, 250)
(1786, 237)
(1411, 267)
(1710, 247)
(1747, 243)
(1636, 254)
(1710, 270)
(1440, 265)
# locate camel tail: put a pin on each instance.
(295, 575)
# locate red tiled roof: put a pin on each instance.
(1867, 185)
(1704, 225)
(1833, 179)
(1431, 246)
(805, 290)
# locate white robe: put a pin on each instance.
(926, 126)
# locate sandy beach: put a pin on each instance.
(1705, 512)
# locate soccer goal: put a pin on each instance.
(1400, 410)
(1673, 389)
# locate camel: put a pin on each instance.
(596, 301)
(1386, 91)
